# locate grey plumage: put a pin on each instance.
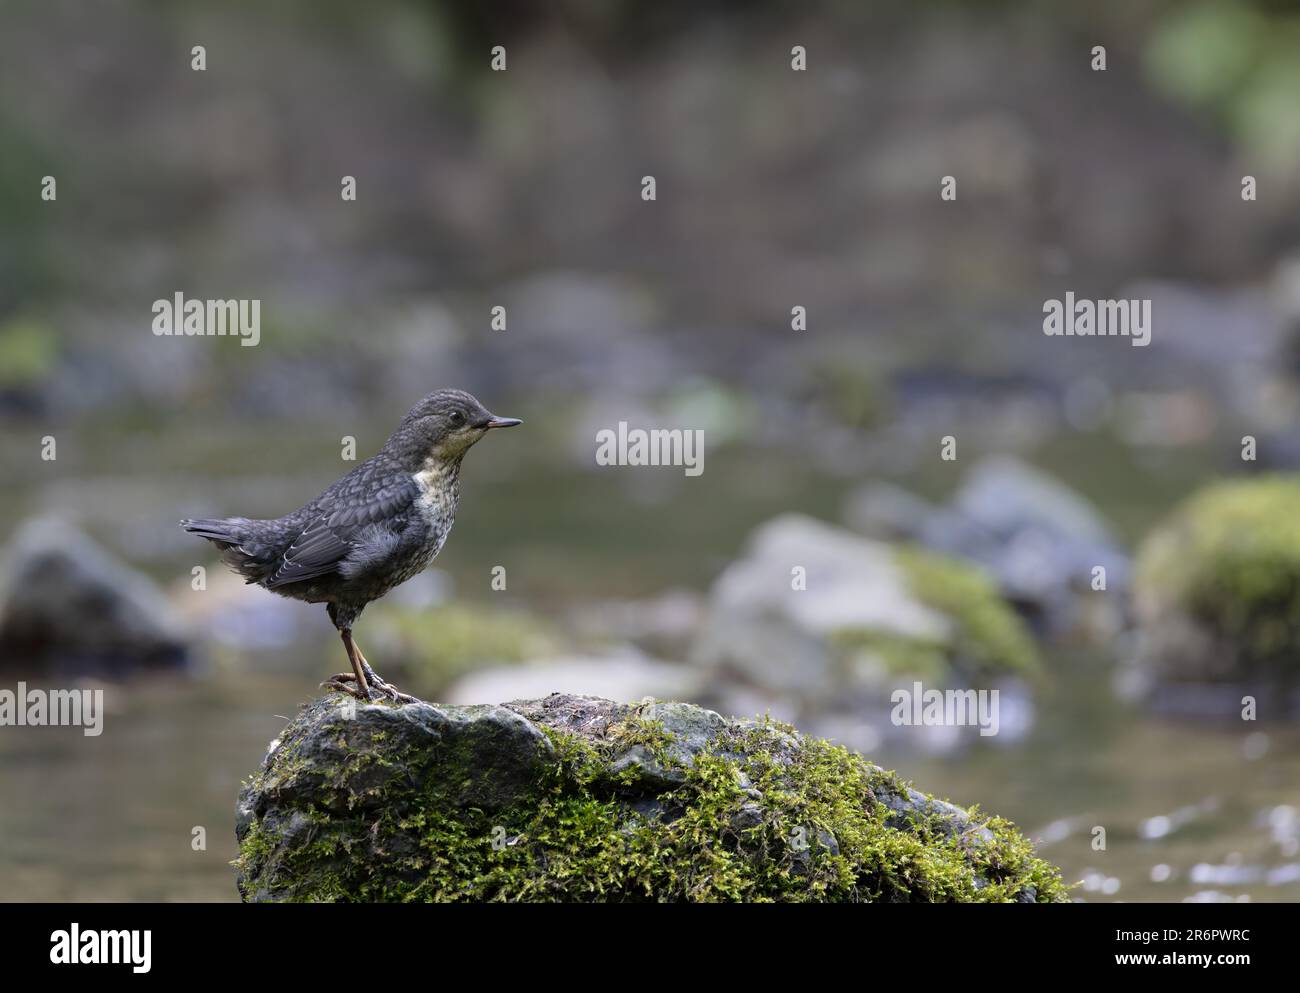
(372, 529)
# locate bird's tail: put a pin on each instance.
(231, 536)
(214, 528)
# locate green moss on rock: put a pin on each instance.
(579, 799)
(1218, 584)
(990, 639)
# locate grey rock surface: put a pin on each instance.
(69, 606)
(1035, 536)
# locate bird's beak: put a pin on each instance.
(503, 422)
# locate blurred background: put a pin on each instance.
(1121, 706)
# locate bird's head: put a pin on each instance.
(443, 426)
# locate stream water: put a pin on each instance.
(1189, 810)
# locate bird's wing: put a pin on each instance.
(329, 538)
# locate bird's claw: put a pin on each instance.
(385, 687)
(346, 682)
(393, 693)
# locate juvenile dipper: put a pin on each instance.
(375, 528)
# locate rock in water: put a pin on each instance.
(574, 798)
(1039, 540)
(1216, 593)
(70, 607)
(822, 626)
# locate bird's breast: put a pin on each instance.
(439, 486)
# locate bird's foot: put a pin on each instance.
(346, 682)
(393, 693)
(386, 688)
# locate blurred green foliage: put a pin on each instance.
(852, 391)
(1240, 62)
(28, 352)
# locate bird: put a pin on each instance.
(369, 531)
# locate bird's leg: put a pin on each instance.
(344, 681)
(381, 684)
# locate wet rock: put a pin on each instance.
(854, 583)
(818, 624)
(577, 798)
(1035, 536)
(69, 606)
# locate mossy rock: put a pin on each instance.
(1217, 586)
(575, 798)
(988, 640)
(865, 616)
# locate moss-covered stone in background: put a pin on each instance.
(580, 799)
(1218, 584)
(862, 617)
(987, 641)
(991, 640)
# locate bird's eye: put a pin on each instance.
(456, 417)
